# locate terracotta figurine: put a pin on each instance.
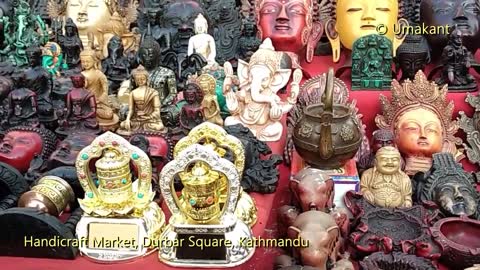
(256, 105)
(80, 113)
(421, 119)
(144, 106)
(292, 25)
(21, 144)
(202, 43)
(97, 84)
(385, 185)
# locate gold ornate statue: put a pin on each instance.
(115, 195)
(96, 82)
(202, 43)
(217, 139)
(210, 106)
(355, 19)
(91, 15)
(144, 106)
(198, 215)
(421, 118)
(117, 26)
(256, 105)
(385, 185)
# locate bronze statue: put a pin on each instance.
(71, 44)
(116, 66)
(144, 106)
(413, 55)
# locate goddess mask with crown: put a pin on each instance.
(421, 119)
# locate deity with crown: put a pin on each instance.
(114, 194)
(198, 214)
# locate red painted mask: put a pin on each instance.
(289, 24)
(18, 148)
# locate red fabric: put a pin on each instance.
(369, 106)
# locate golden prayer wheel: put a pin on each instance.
(52, 195)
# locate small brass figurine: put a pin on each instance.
(420, 117)
(144, 106)
(256, 105)
(199, 214)
(202, 43)
(116, 194)
(97, 83)
(210, 106)
(385, 185)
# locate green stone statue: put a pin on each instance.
(372, 59)
(21, 31)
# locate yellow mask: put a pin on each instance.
(359, 18)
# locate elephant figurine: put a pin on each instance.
(256, 105)
(322, 234)
(313, 190)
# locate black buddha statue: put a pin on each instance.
(116, 66)
(22, 104)
(39, 80)
(71, 44)
(161, 79)
(249, 42)
(457, 60)
(413, 55)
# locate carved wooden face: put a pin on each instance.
(359, 18)
(18, 148)
(463, 13)
(67, 151)
(456, 199)
(419, 133)
(283, 21)
(88, 14)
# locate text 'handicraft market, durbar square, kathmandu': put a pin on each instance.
(240, 134)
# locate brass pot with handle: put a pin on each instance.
(328, 134)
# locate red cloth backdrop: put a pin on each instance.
(267, 204)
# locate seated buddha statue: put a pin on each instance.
(22, 105)
(385, 185)
(144, 106)
(80, 110)
(210, 106)
(116, 66)
(162, 79)
(202, 43)
(115, 194)
(97, 84)
(191, 114)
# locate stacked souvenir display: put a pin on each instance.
(214, 134)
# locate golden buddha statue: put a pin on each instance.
(217, 139)
(115, 194)
(90, 15)
(199, 213)
(117, 26)
(420, 117)
(385, 185)
(355, 19)
(144, 106)
(96, 82)
(210, 106)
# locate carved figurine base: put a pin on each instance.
(176, 248)
(99, 238)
